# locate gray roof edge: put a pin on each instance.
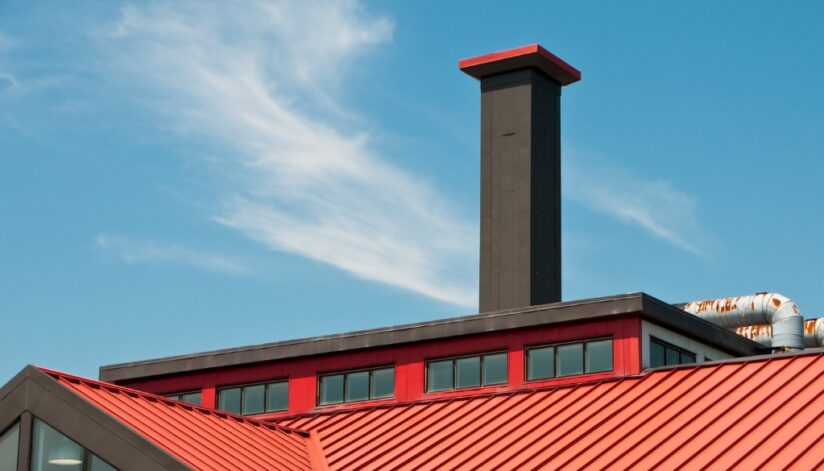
(530, 316)
(662, 313)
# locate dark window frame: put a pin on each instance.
(87, 453)
(18, 450)
(265, 396)
(455, 371)
(675, 348)
(555, 346)
(344, 373)
(178, 396)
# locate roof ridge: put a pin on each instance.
(554, 387)
(185, 405)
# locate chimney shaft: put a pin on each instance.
(520, 175)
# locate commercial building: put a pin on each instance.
(530, 382)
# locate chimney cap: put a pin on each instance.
(521, 57)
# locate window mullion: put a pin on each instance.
(454, 374)
(345, 388)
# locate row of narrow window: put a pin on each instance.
(665, 354)
(448, 374)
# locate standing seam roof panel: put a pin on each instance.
(203, 439)
(767, 416)
(428, 413)
(421, 437)
(606, 408)
(599, 444)
(747, 414)
(723, 412)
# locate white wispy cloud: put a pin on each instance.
(133, 251)
(264, 83)
(6, 43)
(656, 206)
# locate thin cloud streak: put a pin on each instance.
(306, 179)
(6, 44)
(132, 251)
(655, 206)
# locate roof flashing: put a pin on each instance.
(533, 56)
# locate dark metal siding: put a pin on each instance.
(520, 191)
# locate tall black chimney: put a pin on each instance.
(520, 175)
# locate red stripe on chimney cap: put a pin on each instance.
(521, 57)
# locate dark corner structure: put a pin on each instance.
(529, 382)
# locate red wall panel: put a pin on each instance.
(410, 360)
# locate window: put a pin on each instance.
(53, 451)
(664, 354)
(9, 441)
(466, 372)
(189, 397)
(354, 386)
(568, 359)
(255, 398)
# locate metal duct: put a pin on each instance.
(773, 309)
(813, 333)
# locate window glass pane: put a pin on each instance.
(51, 450)
(191, 398)
(99, 465)
(495, 369)
(357, 386)
(468, 372)
(277, 396)
(253, 399)
(672, 356)
(9, 442)
(656, 354)
(383, 383)
(176, 397)
(687, 358)
(599, 356)
(570, 359)
(229, 400)
(540, 363)
(331, 389)
(439, 375)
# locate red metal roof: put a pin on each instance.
(201, 438)
(754, 413)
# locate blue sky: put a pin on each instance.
(179, 177)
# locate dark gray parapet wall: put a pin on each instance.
(520, 175)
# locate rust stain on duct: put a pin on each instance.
(752, 331)
(780, 312)
(722, 305)
(809, 327)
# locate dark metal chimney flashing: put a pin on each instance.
(520, 175)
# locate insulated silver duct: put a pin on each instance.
(813, 333)
(773, 309)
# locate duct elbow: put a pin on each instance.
(780, 312)
(788, 325)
